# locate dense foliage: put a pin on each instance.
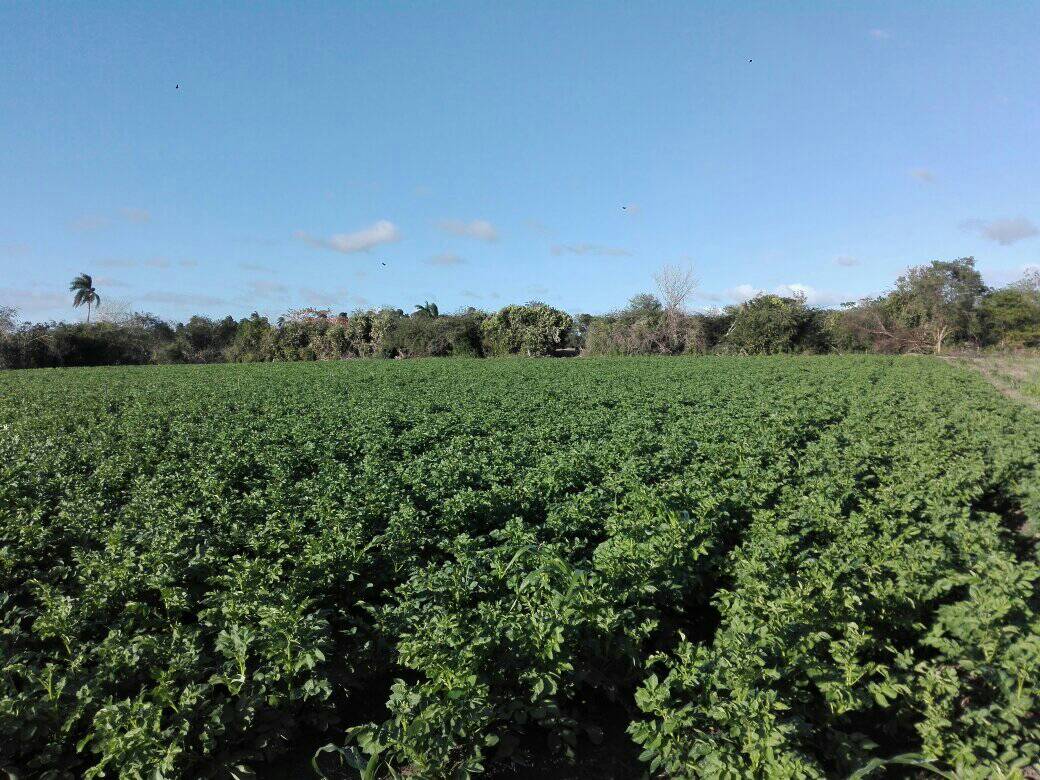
(305, 334)
(933, 306)
(700, 567)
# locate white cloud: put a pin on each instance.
(446, 259)
(846, 261)
(1004, 231)
(743, 292)
(998, 277)
(381, 232)
(923, 174)
(479, 228)
(1008, 231)
(878, 34)
(813, 297)
(590, 249)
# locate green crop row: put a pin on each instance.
(704, 567)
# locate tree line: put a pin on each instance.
(930, 309)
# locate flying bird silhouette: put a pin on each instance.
(178, 86)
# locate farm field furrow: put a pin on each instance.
(688, 567)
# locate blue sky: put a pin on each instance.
(484, 151)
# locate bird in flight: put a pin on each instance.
(178, 86)
(749, 60)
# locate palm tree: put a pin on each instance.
(83, 286)
(427, 310)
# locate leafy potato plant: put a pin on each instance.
(694, 567)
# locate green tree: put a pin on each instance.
(83, 286)
(427, 310)
(1011, 316)
(643, 305)
(383, 324)
(526, 330)
(252, 340)
(768, 324)
(646, 326)
(939, 302)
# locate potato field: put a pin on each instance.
(616, 568)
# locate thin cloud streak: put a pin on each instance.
(480, 229)
(90, 222)
(108, 281)
(30, 301)
(265, 288)
(589, 249)
(152, 262)
(137, 216)
(117, 262)
(182, 299)
(332, 299)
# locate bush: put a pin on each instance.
(1011, 317)
(771, 324)
(426, 336)
(644, 327)
(531, 330)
